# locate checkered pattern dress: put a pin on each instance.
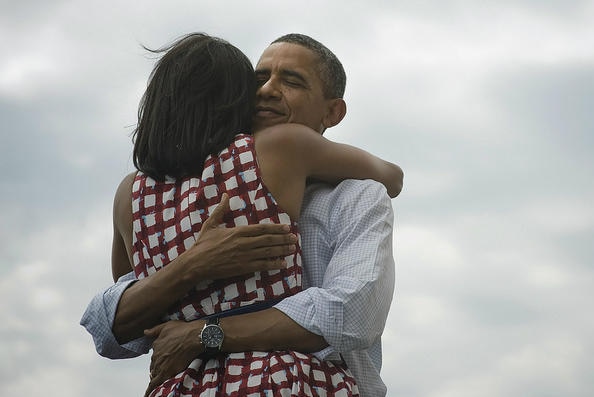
(167, 217)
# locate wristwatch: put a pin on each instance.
(212, 336)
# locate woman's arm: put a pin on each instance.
(330, 161)
(122, 229)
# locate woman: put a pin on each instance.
(192, 146)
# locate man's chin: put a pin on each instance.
(260, 124)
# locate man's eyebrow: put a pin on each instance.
(283, 72)
(262, 71)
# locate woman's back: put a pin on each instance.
(168, 215)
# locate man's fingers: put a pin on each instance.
(153, 367)
(257, 265)
(267, 252)
(262, 229)
(155, 331)
(154, 382)
(216, 218)
(266, 241)
(156, 378)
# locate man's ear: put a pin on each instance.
(335, 112)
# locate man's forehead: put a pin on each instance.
(287, 56)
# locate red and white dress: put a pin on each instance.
(167, 217)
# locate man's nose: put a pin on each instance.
(270, 89)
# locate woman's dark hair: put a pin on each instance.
(200, 94)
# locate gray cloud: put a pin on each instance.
(485, 105)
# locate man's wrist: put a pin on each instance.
(268, 330)
(212, 336)
(192, 338)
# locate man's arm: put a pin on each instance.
(350, 267)
(98, 319)
(118, 316)
(177, 343)
(121, 313)
(349, 264)
(217, 253)
(357, 249)
(354, 238)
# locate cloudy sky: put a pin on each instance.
(486, 105)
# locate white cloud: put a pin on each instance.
(561, 215)
(19, 74)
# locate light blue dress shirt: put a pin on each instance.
(349, 275)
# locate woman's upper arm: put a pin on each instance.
(333, 162)
(122, 229)
(306, 150)
(328, 161)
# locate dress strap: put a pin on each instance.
(254, 307)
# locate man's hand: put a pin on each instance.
(176, 344)
(226, 252)
(219, 252)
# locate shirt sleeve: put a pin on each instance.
(350, 307)
(98, 320)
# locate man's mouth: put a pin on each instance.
(267, 111)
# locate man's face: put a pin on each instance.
(289, 88)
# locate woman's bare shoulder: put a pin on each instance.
(122, 203)
(125, 186)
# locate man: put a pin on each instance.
(347, 251)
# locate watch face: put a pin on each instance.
(212, 336)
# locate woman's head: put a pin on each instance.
(200, 95)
